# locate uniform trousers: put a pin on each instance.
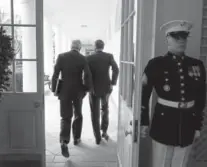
(169, 156)
(95, 113)
(67, 108)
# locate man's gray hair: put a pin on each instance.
(76, 44)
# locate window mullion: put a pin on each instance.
(13, 44)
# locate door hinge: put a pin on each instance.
(135, 130)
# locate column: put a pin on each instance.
(64, 40)
(58, 40)
(29, 47)
(48, 48)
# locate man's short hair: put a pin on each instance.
(99, 44)
(76, 44)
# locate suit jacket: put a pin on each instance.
(75, 75)
(100, 63)
(178, 79)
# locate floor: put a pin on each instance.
(87, 154)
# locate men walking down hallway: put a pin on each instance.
(100, 63)
(72, 66)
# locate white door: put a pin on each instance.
(137, 36)
(129, 87)
(22, 135)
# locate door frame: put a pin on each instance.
(40, 71)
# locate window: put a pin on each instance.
(19, 20)
(127, 53)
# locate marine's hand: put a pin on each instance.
(144, 131)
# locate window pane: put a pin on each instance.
(5, 11)
(8, 30)
(204, 21)
(25, 42)
(26, 76)
(8, 84)
(203, 59)
(203, 51)
(4, 45)
(24, 12)
(204, 41)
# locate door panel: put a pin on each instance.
(22, 134)
(125, 134)
(21, 123)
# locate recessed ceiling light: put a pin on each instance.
(84, 26)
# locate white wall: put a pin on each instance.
(113, 43)
(113, 46)
(48, 49)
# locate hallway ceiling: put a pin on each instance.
(85, 19)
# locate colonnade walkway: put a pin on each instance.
(87, 154)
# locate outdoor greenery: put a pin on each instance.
(6, 57)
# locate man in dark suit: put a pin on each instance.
(99, 64)
(72, 66)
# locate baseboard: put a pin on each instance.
(23, 160)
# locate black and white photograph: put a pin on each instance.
(103, 83)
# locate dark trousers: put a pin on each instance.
(67, 107)
(95, 113)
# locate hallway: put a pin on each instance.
(87, 154)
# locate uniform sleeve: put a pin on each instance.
(201, 98)
(147, 86)
(56, 73)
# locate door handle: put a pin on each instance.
(36, 104)
(130, 123)
(128, 133)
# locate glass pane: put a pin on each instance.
(5, 11)
(203, 51)
(204, 41)
(25, 42)
(24, 12)
(203, 59)
(8, 84)
(204, 3)
(204, 33)
(8, 30)
(204, 12)
(4, 46)
(26, 76)
(204, 22)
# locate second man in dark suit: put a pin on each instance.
(72, 66)
(100, 63)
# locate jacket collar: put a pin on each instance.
(175, 57)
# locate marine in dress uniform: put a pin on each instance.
(100, 62)
(179, 82)
(72, 66)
